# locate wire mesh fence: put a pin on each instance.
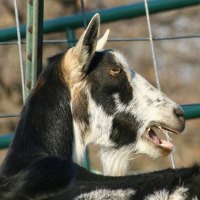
(127, 43)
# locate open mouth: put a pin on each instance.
(154, 134)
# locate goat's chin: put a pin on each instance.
(149, 148)
(159, 151)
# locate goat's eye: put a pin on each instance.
(114, 72)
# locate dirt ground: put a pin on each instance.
(178, 67)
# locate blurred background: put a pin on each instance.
(178, 66)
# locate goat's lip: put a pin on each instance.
(152, 132)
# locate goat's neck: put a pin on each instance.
(46, 122)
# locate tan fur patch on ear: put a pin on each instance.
(72, 66)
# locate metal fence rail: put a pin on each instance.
(134, 39)
(107, 15)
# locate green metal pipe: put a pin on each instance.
(107, 15)
(11, 33)
(191, 111)
(5, 140)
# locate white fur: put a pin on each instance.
(144, 147)
(140, 145)
(104, 194)
(145, 113)
(115, 161)
(100, 124)
(143, 91)
(78, 144)
(158, 195)
(179, 194)
(119, 58)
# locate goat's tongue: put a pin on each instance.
(164, 143)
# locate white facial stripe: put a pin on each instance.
(120, 59)
(100, 123)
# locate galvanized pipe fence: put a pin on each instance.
(36, 27)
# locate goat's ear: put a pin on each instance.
(102, 41)
(87, 43)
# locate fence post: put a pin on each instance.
(34, 39)
(37, 41)
(29, 32)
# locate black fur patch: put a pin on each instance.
(124, 129)
(46, 124)
(103, 85)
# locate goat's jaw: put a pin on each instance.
(151, 142)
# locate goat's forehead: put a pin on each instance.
(113, 58)
(120, 59)
(123, 62)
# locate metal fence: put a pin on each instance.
(36, 27)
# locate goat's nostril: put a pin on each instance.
(179, 114)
